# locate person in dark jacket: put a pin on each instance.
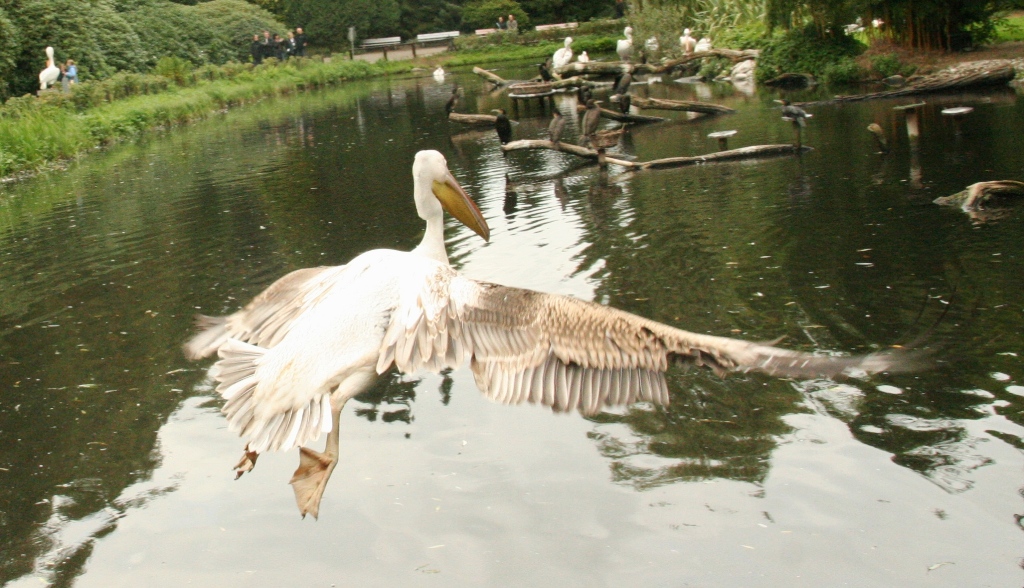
(256, 48)
(300, 42)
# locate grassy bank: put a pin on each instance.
(39, 131)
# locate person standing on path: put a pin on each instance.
(513, 24)
(256, 48)
(300, 42)
(71, 72)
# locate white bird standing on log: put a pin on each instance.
(50, 73)
(563, 56)
(687, 43)
(624, 47)
(294, 355)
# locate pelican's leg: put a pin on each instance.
(247, 463)
(315, 468)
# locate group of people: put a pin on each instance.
(510, 25)
(277, 47)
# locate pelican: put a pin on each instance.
(583, 58)
(48, 76)
(686, 42)
(703, 45)
(624, 47)
(502, 125)
(555, 126)
(439, 74)
(563, 56)
(290, 359)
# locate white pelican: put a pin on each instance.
(439, 74)
(563, 56)
(294, 355)
(583, 58)
(686, 42)
(703, 45)
(624, 47)
(48, 76)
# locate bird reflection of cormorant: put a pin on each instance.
(555, 126)
(453, 101)
(503, 126)
(511, 197)
(591, 118)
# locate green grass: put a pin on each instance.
(1011, 29)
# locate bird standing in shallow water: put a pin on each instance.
(290, 359)
(502, 125)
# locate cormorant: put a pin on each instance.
(503, 126)
(591, 118)
(453, 101)
(793, 113)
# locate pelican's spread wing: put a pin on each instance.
(265, 320)
(567, 353)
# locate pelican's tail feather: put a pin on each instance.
(213, 332)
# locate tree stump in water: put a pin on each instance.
(976, 196)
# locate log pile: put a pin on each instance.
(967, 75)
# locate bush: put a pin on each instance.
(844, 71)
(808, 52)
(889, 64)
(175, 69)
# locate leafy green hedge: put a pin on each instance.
(829, 57)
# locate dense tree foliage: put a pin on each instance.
(327, 21)
(106, 36)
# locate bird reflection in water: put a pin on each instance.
(291, 359)
(511, 198)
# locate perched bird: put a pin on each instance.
(555, 126)
(624, 47)
(439, 74)
(591, 118)
(583, 58)
(703, 45)
(453, 101)
(563, 56)
(584, 93)
(794, 114)
(686, 42)
(545, 70)
(48, 76)
(293, 356)
(503, 126)
(625, 102)
(622, 83)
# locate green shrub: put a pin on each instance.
(844, 71)
(175, 69)
(807, 51)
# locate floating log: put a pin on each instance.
(976, 196)
(489, 76)
(472, 119)
(968, 75)
(599, 68)
(688, 106)
(750, 152)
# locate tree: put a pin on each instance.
(327, 21)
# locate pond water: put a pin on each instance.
(115, 463)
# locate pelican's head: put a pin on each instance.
(628, 32)
(568, 41)
(783, 102)
(686, 32)
(435, 184)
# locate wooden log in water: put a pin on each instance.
(686, 105)
(975, 196)
(968, 75)
(490, 76)
(629, 118)
(472, 119)
(599, 68)
(730, 54)
(750, 152)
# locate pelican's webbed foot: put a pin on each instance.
(247, 463)
(310, 479)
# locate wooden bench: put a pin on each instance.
(383, 43)
(552, 27)
(485, 32)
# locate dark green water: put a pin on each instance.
(115, 464)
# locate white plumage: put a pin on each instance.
(686, 42)
(583, 58)
(624, 47)
(49, 75)
(563, 56)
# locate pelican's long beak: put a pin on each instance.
(455, 200)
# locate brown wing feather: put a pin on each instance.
(566, 353)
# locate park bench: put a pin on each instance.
(485, 32)
(382, 43)
(551, 27)
(431, 37)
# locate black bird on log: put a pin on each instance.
(583, 93)
(622, 83)
(449, 107)
(591, 118)
(503, 126)
(555, 126)
(545, 70)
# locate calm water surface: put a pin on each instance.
(115, 463)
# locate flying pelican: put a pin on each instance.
(48, 76)
(502, 125)
(294, 355)
(563, 56)
(624, 47)
(591, 118)
(555, 126)
(583, 58)
(453, 101)
(686, 42)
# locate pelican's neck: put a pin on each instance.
(432, 245)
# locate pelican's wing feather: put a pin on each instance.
(265, 320)
(570, 354)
